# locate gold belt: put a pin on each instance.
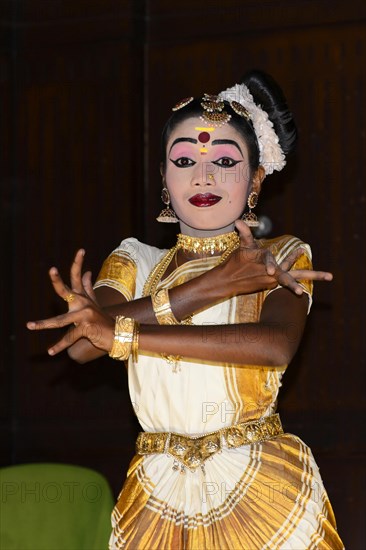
(193, 451)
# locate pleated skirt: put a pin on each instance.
(267, 495)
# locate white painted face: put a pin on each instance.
(207, 174)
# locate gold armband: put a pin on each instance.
(126, 333)
(161, 306)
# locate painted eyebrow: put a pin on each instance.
(228, 141)
(178, 140)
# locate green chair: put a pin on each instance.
(54, 507)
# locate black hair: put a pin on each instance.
(268, 95)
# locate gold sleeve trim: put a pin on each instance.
(284, 246)
(119, 272)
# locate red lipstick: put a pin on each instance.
(204, 199)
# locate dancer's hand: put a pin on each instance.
(252, 268)
(88, 319)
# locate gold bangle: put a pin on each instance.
(161, 306)
(135, 342)
(123, 337)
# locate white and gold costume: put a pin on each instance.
(267, 494)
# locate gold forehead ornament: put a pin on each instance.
(239, 109)
(213, 109)
(182, 103)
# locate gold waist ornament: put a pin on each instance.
(191, 452)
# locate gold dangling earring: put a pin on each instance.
(167, 215)
(249, 217)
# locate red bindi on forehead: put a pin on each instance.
(204, 137)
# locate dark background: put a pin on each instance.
(86, 86)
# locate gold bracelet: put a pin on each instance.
(161, 306)
(123, 338)
(135, 342)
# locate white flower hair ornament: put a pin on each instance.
(271, 156)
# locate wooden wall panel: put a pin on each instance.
(7, 312)
(213, 19)
(73, 182)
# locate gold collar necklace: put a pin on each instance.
(209, 245)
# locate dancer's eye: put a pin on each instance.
(226, 162)
(183, 162)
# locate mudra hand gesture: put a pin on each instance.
(252, 268)
(248, 269)
(84, 312)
